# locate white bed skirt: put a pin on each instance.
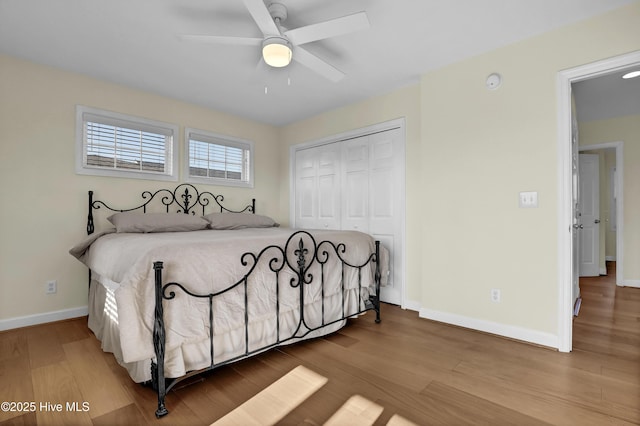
(195, 355)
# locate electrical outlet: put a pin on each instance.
(51, 287)
(495, 295)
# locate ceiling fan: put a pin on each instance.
(280, 45)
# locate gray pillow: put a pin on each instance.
(156, 222)
(239, 221)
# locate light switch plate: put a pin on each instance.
(528, 200)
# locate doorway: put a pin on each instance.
(611, 205)
(567, 226)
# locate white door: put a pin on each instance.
(367, 177)
(589, 240)
(372, 198)
(575, 187)
(355, 178)
(317, 198)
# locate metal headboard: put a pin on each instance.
(185, 198)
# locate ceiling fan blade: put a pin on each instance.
(261, 15)
(334, 27)
(317, 65)
(211, 39)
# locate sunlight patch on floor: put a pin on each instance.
(357, 411)
(274, 402)
(277, 400)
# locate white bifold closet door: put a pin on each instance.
(317, 176)
(356, 184)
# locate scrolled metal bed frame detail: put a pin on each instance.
(168, 198)
(295, 257)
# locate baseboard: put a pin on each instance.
(610, 258)
(512, 332)
(631, 283)
(25, 321)
(411, 305)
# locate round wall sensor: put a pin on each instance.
(494, 81)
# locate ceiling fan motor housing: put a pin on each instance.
(278, 12)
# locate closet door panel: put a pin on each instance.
(306, 184)
(386, 168)
(317, 187)
(355, 192)
(328, 191)
(357, 184)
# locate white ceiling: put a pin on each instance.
(607, 96)
(136, 43)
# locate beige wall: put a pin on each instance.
(627, 130)
(479, 149)
(44, 209)
(469, 152)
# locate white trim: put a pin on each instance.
(619, 148)
(25, 321)
(631, 283)
(412, 305)
(510, 331)
(219, 139)
(350, 134)
(565, 78)
(171, 157)
(602, 271)
(610, 258)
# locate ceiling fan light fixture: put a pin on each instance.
(276, 52)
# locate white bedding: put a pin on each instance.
(122, 306)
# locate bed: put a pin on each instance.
(198, 285)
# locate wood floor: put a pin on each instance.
(411, 369)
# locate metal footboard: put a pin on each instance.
(297, 256)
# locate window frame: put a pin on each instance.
(218, 139)
(171, 172)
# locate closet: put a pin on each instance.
(355, 183)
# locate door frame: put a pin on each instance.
(565, 208)
(619, 150)
(398, 123)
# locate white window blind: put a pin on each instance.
(218, 159)
(119, 145)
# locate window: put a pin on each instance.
(112, 144)
(217, 159)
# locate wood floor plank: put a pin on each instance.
(15, 372)
(356, 411)
(54, 385)
(542, 406)
(274, 402)
(13, 343)
(27, 419)
(418, 371)
(15, 388)
(45, 346)
(465, 408)
(72, 330)
(85, 358)
(124, 416)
